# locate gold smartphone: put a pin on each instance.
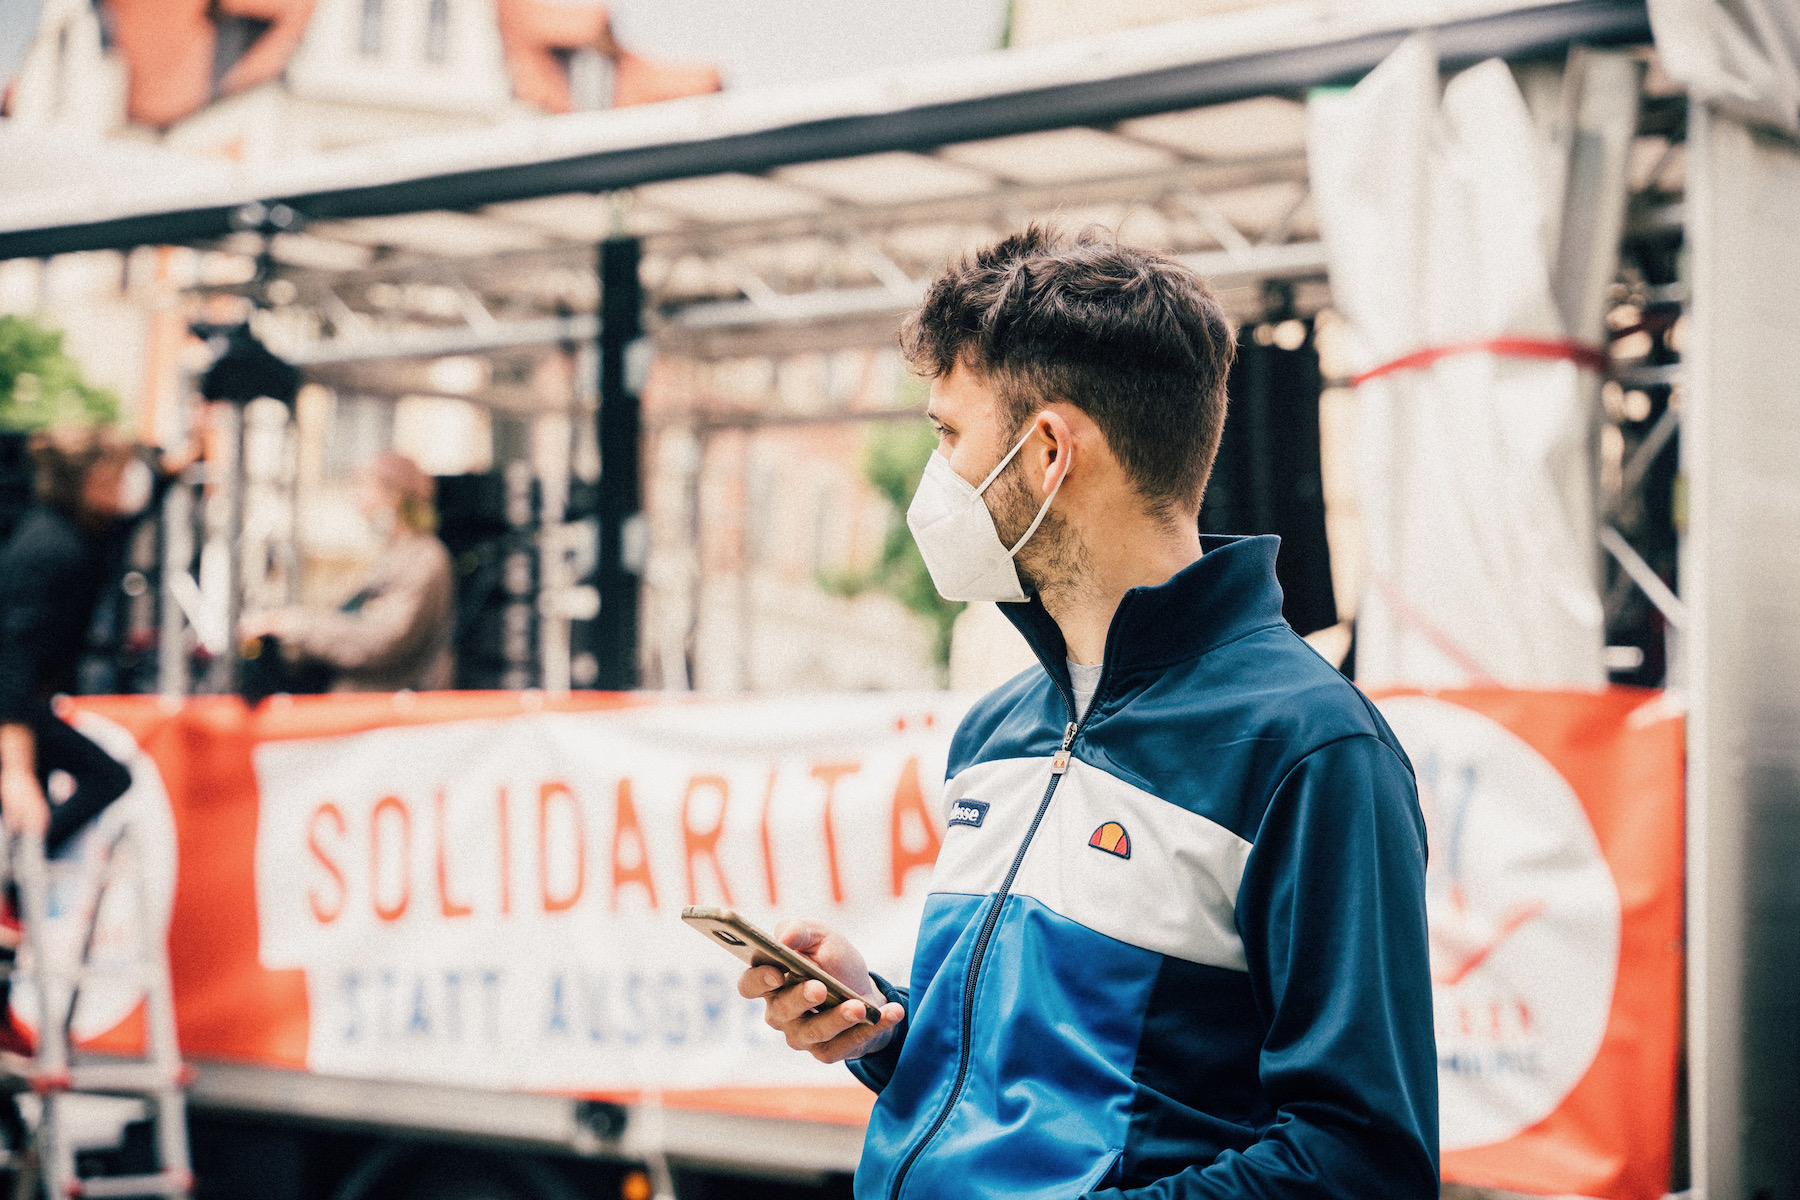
(758, 949)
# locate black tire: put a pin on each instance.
(486, 1178)
(476, 1184)
(419, 1174)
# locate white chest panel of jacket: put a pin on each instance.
(1107, 855)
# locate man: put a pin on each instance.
(1175, 943)
(394, 632)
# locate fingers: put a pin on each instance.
(830, 1035)
(797, 1010)
(861, 1037)
(814, 1032)
(791, 1004)
(758, 982)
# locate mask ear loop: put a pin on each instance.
(1041, 514)
(1043, 511)
(1001, 465)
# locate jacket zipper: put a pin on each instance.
(1058, 767)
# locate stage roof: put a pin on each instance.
(796, 218)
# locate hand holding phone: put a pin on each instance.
(758, 949)
(823, 1006)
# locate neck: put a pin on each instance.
(1143, 552)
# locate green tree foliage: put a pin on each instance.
(894, 458)
(41, 386)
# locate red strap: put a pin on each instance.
(1583, 355)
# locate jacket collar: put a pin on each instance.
(1228, 592)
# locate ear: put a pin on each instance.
(1053, 450)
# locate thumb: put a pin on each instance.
(804, 936)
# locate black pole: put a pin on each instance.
(620, 491)
(244, 371)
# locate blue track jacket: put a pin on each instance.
(1175, 951)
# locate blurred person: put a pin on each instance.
(394, 632)
(52, 572)
(1175, 943)
(64, 552)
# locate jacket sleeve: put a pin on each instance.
(1332, 915)
(876, 1069)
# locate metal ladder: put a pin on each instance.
(57, 1075)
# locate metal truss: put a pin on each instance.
(831, 275)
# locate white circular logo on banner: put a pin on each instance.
(109, 992)
(1524, 920)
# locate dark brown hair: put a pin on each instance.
(1133, 339)
(65, 454)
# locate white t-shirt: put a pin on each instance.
(1084, 680)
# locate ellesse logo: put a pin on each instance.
(1112, 838)
(968, 812)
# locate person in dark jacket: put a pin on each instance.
(53, 780)
(1175, 943)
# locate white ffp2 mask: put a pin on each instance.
(956, 536)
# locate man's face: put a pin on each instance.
(974, 433)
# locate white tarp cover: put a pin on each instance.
(1743, 55)
(1473, 471)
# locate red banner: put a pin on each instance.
(1555, 898)
(481, 889)
(373, 885)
